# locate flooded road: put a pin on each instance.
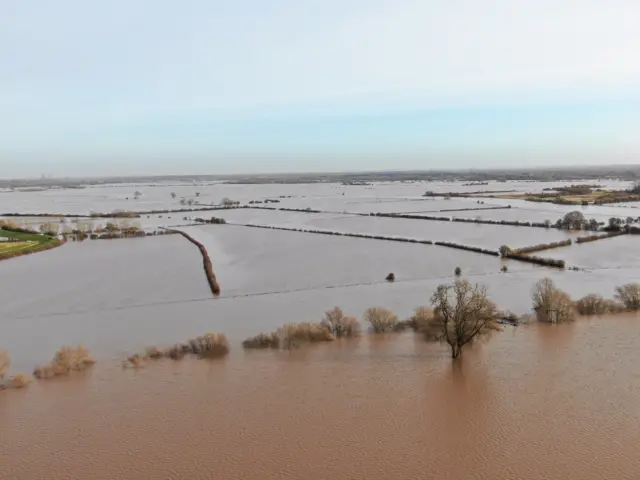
(535, 402)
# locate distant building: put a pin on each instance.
(4, 239)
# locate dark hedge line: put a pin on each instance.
(542, 246)
(206, 263)
(593, 238)
(485, 251)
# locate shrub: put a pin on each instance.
(421, 318)
(209, 345)
(19, 380)
(293, 334)
(134, 361)
(154, 353)
(462, 313)
(263, 340)
(5, 362)
(551, 304)
(457, 271)
(597, 305)
(380, 319)
(391, 277)
(66, 360)
(176, 352)
(590, 305)
(504, 269)
(629, 295)
(340, 325)
(504, 250)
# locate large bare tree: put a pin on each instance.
(462, 313)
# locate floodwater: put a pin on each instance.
(534, 402)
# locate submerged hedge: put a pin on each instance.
(542, 246)
(593, 238)
(206, 262)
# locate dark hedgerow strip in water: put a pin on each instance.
(206, 262)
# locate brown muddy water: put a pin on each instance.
(533, 402)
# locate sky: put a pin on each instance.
(219, 86)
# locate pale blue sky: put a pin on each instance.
(212, 86)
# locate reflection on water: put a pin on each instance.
(534, 402)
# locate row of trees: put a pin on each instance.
(458, 315)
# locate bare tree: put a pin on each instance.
(551, 304)
(463, 313)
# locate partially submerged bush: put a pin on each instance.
(209, 345)
(457, 271)
(133, 361)
(263, 340)
(5, 362)
(19, 380)
(421, 318)
(340, 325)
(154, 353)
(629, 295)
(293, 334)
(380, 319)
(551, 304)
(65, 361)
(597, 305)
(391, 277)
(176, 352)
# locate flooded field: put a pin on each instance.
(93, 275)
(533, 402)
(488, 236)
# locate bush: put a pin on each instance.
(153, 353)
(551, 304)
(380, 319)
(421, 318)
(391, 277)
(293, 334)
(5, 362)
(504, 269)
(133, 361)
(65, 361)
(597, 305)
(629, 295)
(19, 380)
(209, 345)
(340, 325)
(263, 340)
(457, 271)
(176, 352)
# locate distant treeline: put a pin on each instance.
(512, 223)
(340, 234)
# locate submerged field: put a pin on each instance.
(378, 407)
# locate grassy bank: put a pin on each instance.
(24, 243)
